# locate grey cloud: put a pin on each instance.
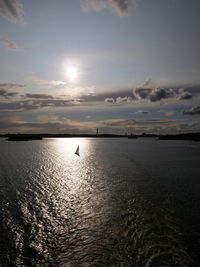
(120, 7)
(7, 86)
(12, 10)
(9, 44)
(110, 100)
(185, 96)
(192, 111)
(150, 125)
(31, 125)
(13, 124)
(6, 94)
(147, 125)
(142, 93)
(40, 96)
(161, 93)
(36, 104)
(154, 95)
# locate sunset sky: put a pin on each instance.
(70, 66)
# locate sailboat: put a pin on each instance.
(77, 151)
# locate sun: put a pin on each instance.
(72, 73)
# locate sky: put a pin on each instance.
(122, 66)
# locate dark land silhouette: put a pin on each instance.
(29, 137)
(184, 136)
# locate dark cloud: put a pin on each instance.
(192, 111)
(46, 125)
(36, 104)
(8, 86)
(12, 10)
(6, 94)
(30, 101)
(154, 95)
(184, 95)
(121, 5)
(9, 44)
(33, 126)
(40, 96)
(142, 93)
(158, 94)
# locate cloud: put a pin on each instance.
(23, 105)
(161, 93)
(184, 95)
(45, 124)
(119, 7)
(155, 94)
(8, 86)
(12, 10)
(9, 44)
(136, 122)
(31, 127)
(125, 99)
(56, 124)
(192, 111)
(53, 83)
(34, 80)
(142, 112)
(110, 100)
(148, 91)
(142, 93)
(119, 100)
(40, 96)
(6, 94)
(102, 96)
(5, 90)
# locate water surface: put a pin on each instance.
(121, 203)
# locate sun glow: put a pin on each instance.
(72, 73)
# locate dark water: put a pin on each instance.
(122, 203)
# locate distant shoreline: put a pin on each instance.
(186, 136)
(29, 137)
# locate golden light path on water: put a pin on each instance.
(76, 167)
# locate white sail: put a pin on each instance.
(77, 151)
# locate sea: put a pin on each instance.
(122, 202)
